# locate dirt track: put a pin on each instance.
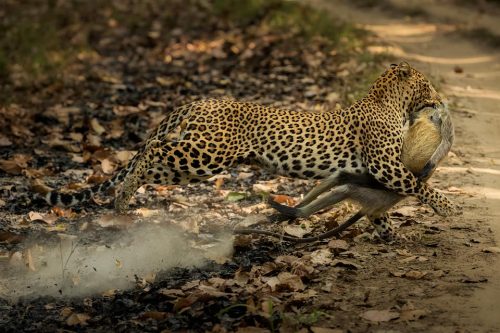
(468, 73)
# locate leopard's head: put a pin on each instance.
(406, 87)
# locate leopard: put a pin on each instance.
(201, 139)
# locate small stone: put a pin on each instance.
(492, 249)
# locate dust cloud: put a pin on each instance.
(75, 268)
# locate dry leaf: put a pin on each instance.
(266, 268)
(265, 187)
(245, 175)
(346, 264)
(415, 275)
(212, 292)
(16, 164)
(174, 293)
(96, 126)
(287, 260)
(108, 166)
(165, 81)
(190, 285)
(284, 199)
(56, 140)
(286, 281)
(65, 312)
(260, 207)
(4, 141)
(296, 230)
(241, 277)
(78, 137)
(184, 302)
(218, 282)
(43, 217)
(304, 296)
(125, 155)
(49, 306)
(338, 245)
(125, 110)
(147, 103)
(96, 178)
(379, 315)
(94, 141)
(303, 270)
(273, 282)
(62, 113)
(77, 319)
(218, 183)
(21, 131)
(116, 129)
(321, 257)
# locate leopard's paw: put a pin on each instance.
(386, 233)
(448, 208)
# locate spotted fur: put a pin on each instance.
(199, 140)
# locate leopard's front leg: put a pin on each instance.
(383, 159)
(438, 201)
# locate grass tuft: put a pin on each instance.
(287, 16)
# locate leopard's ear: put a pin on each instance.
(404, 70)
(393, 66)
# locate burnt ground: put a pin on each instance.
(76, 122)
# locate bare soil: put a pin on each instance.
(468, 71)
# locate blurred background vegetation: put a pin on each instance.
(40, 38)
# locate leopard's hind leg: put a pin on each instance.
(383, 226)
(171, 163)
(134, 178)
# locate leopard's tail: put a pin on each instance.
(62, 199)
(56, 198)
